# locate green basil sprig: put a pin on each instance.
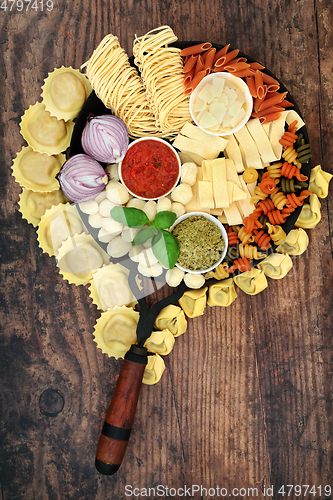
(164, 245)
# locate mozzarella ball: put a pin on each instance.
(117, 193)
(95, 220)
(112, 170)
(194, 280)
(182, 194)
(147, 257)
(89, 207)
(174, 276)
(135, 252)
(118, 247)
(163, 204)
(150, 209)
(177, 208)
(100, 197)
(189, 173)
(150, 271)
(129, 233)
(111, 226)
(104, 236)
(105, 208)
(136, 203)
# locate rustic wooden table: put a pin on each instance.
(246, 399)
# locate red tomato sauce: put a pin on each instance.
(150, 169)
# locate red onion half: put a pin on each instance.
(81, 178)
(105, 138)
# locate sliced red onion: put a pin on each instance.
(81, 178)
(105, 138)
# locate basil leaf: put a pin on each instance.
(165, 248)
(129, 216)
(144, 234)
(164, 219)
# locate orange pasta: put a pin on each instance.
(297, 201)
(289, 170)
(259, 84)
(226, 58)
(286, 104)
(277, 217)
(273, 85)
(288, 139)
(251, 84)
(270, 118)
(199, 65)
(256, 65)
(232, 237)
(236, 66)
(262, 239)
(259, 100)
(244, 73)
(267, 184)
(191, 62)
(266, 206)
(209, 60)
(271, 101)
(195, 49)
(221, 52)
(194, 82)
(251, 224)
(188, 76)
(273, 109)
(241, 264)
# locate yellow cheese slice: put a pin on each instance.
(193, 146)
(205, 192)
(233, 152)
(220, 186)
(213, 141)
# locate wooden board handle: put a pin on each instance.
(119, 419)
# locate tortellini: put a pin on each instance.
(160, 342)
(310, 214)
(172, 318)
(154, 370)
(109, 287)
(296, 242)
(193, 302)
(319, 181)
(115, 331)
(251, 282)
(276, 265)
(222, 294)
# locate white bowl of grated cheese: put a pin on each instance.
(221, 104)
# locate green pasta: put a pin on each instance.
(304, 153)
(288, 185)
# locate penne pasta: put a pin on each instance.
(267, 111)
(256, 65)
(271, 101)
(188, 76)
(270, 118)
(209, 60)
(191, 62)
(227, 58)
(244, 73)
(221, 52)
(194, 82)
(199, 65)
(237, 66)
(252, 86)
(195, 49)
(258, 78)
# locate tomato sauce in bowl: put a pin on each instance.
(150, 168)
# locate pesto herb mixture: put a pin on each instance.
(201, 242)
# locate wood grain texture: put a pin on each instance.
(246, 399)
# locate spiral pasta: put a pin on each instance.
(245, 237)
(274, 170)
(262, 239)
(290, 155)
(250, 252)
(241, 264)
(289, 170)
(277, 234)
(279, 199)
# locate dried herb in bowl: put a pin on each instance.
(201, 242)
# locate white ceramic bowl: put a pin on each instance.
(224, 235)
(236, 81)
(172, 149)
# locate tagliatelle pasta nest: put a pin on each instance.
(252, 190)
